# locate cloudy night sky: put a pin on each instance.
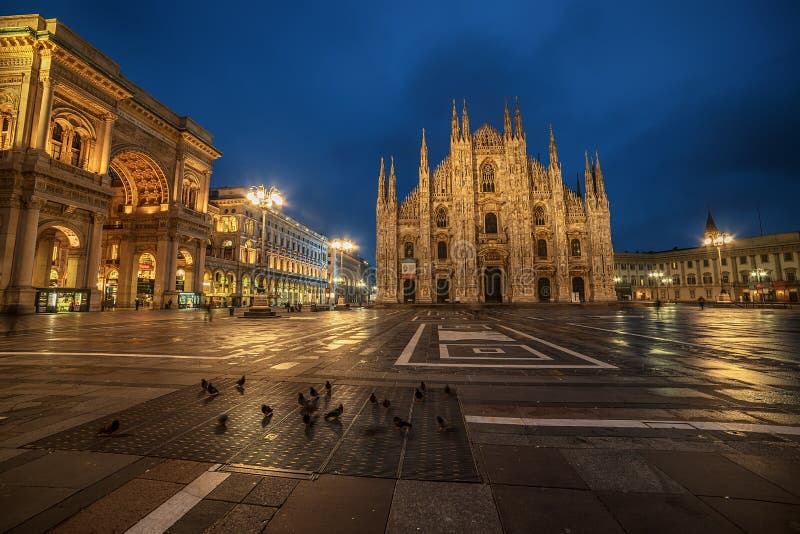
(690, 104)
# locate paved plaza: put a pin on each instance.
(556, 418)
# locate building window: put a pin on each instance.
(56, 140)
(674, 265)
(487, 178)
(441, 217)
(5, 132)
(708, 293)
(677, 294)
(490, 223)
(676, 280)
(538, 216)
(441, 250)
(575, 246)
(745, 277)
(660, 266)
(691, 279)
(742, 260)
(408, 250)
(725, 278)
(705, 262)
(690, 264)
(707, 278)
(691, 293)
(764, 258)
(75, 150)
(790, 276)
(724, 261)
(787, 256)
(541, 248)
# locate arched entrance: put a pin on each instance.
(146, 278)
(442, 290)
(59, 271)
(577, 287)
(409, 291)
(543, 289)
(493, 285)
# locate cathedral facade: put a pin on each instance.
(494, 225)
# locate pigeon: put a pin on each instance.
(306, 419)
(386, 403)
(442, 422)
(204, 384)
(334, 414)
(110, 429)
(266, 410)
(328, 388)
(240, 382)
(399, 423)
(313, 392)
(212, 390)
(373, 399)
(222, 419)
(447, 389)
(312, 404)
(422, 386)
(301, 399)
(418, 394)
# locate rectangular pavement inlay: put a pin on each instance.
(481, 345)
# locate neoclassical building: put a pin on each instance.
(103, 190)
(493, 224)
(289, 265)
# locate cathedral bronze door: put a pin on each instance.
(544, 289)
(409, 290)
(492, 285)
(577, 287)
(442, 290)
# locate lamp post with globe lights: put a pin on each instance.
(265, 198)
(718, 240)
(341, 246)
(657, 278)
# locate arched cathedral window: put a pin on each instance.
(408, 249)
(541, 248)
(575, 245)
(441, 217)
(487, 178)
(490, 223)
(441, 250)
(538, 216)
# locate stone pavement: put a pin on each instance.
(562, 419)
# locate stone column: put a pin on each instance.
(44, 110)
(200, 266)
(105, 149)
(180, 169)
(172, 265)
(93, 261)
(25, 250)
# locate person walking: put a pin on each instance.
(136, 304)
(702, 302)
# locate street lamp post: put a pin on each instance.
(341, 246)
(265, 198)
(656, 276)
(719, 240)
(758, 273)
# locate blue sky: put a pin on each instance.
(690, 104)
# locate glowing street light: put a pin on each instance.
(341, 246)
(718, 240)
(265, 198)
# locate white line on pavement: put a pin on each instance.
(166, 515)
(113, 354)
(598, 363)
(635, 423)
(405, 356)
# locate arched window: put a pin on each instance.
(707, 279)
(441, 250)
(490, 223)
(487, 178)
(575, 246)
(75, 150)
(676, 280)
(408, 250)
(441, 217)
(691, 279)
(541, 248)
(538, 216)
(56, 139)
(5, 131)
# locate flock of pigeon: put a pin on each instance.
(309, 405)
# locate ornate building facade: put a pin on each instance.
(493, 224)
(286, 260)
(103, 190)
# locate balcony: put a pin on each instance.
(493, 239)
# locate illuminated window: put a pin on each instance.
(487, 178)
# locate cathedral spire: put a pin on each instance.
(507, 122)
(382, 185)
(711, 227)
(519, 132)
(454, 123)
(598, 174)
(423, 156)
(588, 178)
(465, 131)
(553, 148)
(392, 184)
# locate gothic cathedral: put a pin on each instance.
(494, 225)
